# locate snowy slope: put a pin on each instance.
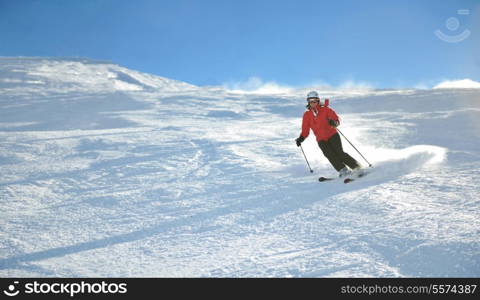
(109, 172)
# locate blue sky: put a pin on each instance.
(295, 43)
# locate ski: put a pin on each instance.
(350, 179)
(322, 179)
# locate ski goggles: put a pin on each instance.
(313, 100)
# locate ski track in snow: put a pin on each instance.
(108, 172)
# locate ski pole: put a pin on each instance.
(369, 164)
(311, 171)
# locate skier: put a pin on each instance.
(323, 121)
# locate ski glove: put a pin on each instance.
(333, 123)
(299, 140)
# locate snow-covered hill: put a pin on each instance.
(109, 172)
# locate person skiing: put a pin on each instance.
(323, 121)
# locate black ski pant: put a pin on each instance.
(333, 151)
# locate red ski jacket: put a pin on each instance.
(317, 120)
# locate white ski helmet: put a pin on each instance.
(312, 94)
